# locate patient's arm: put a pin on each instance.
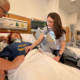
(7, 65)
(2, 75)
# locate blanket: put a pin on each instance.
(38, 66)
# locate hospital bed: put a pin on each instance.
(72, 52)
(25, 37)
(41, 66)
(38, 66)
(78, 43)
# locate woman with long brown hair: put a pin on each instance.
(55, 36)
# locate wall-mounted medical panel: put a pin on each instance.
(9, 23)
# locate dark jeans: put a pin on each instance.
(55, 52)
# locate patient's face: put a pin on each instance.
(15, 36)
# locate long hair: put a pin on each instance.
(57, 26)
(9, 37)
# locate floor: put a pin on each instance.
(71, 63)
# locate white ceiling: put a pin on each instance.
(70, 7)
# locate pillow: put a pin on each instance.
(43, 44)
(2, 44)
(28, 38)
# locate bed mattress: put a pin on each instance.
(72, 51)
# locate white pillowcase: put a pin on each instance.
(28, 38)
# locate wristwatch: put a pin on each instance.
(59, 55)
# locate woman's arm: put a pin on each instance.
(62, 47)
(57, 58)
(7, 65)
(38, 40)
(29, 48)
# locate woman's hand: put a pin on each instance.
(57, 58)
(18, 60)
(28, 48)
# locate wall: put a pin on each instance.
(64, 17)
(78, 25)
(52, 6)
(38, 9)
(72, 18)
(29, 8)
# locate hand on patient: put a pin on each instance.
(18, 60)
(3, 38)
(28, 48)
(57, 58)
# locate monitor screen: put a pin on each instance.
(35, 24)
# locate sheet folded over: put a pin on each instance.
(39, 66)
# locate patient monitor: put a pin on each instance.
(35, 24)
(43, 44)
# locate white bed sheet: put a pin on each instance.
(38, 66)
(76, 51)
